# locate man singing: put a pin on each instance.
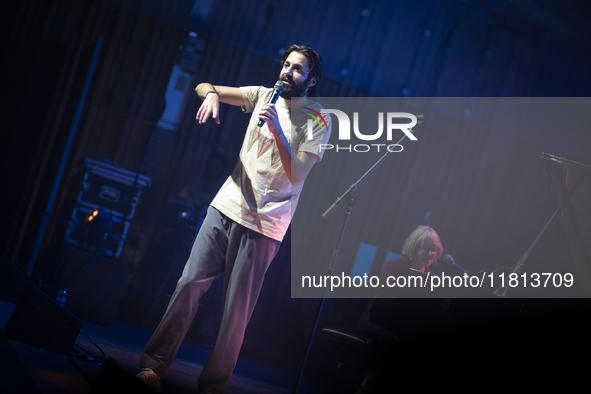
(247, 219)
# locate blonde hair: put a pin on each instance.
(422, 235)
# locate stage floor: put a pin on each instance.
(53, 373)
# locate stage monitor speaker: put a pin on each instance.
(13, 282)
(94, 286)
(38, 321)
(113, 378)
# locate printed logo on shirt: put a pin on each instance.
(264, 142)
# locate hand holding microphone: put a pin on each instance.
(277, 90)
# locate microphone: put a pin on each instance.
(277, 90)
(446, 258)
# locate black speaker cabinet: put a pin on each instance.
(38, 321)
(94, 286)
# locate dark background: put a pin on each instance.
(424, 48)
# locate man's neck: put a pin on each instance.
(298, 101)
(302, 99)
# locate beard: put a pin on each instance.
(294, 90)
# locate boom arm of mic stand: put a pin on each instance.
(337, 202)
(356, 184)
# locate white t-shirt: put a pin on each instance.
(258, 194)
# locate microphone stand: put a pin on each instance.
(350, 199)
(501, 291)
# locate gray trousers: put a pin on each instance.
(243, 256)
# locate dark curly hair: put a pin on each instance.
(315, 64)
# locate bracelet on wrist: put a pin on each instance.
(212, 91)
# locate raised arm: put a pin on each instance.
(212, 96)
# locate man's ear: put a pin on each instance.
(312, 82)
